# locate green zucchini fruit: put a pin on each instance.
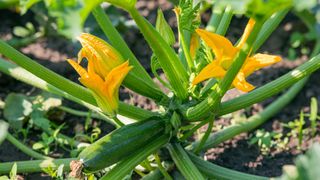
(120, 143)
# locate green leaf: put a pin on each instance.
(38, 145)
(21, 31)
(60, 171)
(155, 65)
(125, 4)
(17, 108)
(307, 166)
(13, 172)
(255, 8)
(3, 130)
(25, 5)
(164, 29)
(69, 15)
(188, 16)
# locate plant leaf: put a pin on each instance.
(17, 108)
(3, 130)
(188, 19)
(164, 29)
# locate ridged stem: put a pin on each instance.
(46, 74)
(215, 19)
(254, 121)
(225, 21)
(270, 89)
(27, 77)
(168, 59)
(213, 171)
(183, 162)
(124, 167)
(35, 165)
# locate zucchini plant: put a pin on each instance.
(197, 76)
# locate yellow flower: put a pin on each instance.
(103, 56)
(225, 53)
(105, 71)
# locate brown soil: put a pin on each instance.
(235, 154)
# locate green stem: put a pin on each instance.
(83, 113)
(268, 27)
(185, 47)
(124, 167)
(225, 21)
(215, 19)
(262, 117)
(25, 149)
(183, 162)
(205, 137)
(254, 121)
(164, 172)
(202, 109)
(194, 129)
(26, 77)
(138, 79)
(168, 59)
(119, 123)
(47, 75)
(217, 172)
(271, 88)
(35, 165)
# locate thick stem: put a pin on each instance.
(217, 172)
(26, 77)
(271, 88)
(183, 162)
(124, 167)
(254, 121)
(35, 165)
(168, 59)
(46, 74)
(225, 21)
(213, 24)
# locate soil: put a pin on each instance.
(235, 154)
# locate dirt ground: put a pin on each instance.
(237, 153)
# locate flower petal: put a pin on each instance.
(246, 32)
(240, 83)
(105, 57)
(220, 45)
(259, 61)
(80, 70)
(210, 71)
(115, 78)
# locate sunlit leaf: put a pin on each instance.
(69, 15)
(164, 29)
